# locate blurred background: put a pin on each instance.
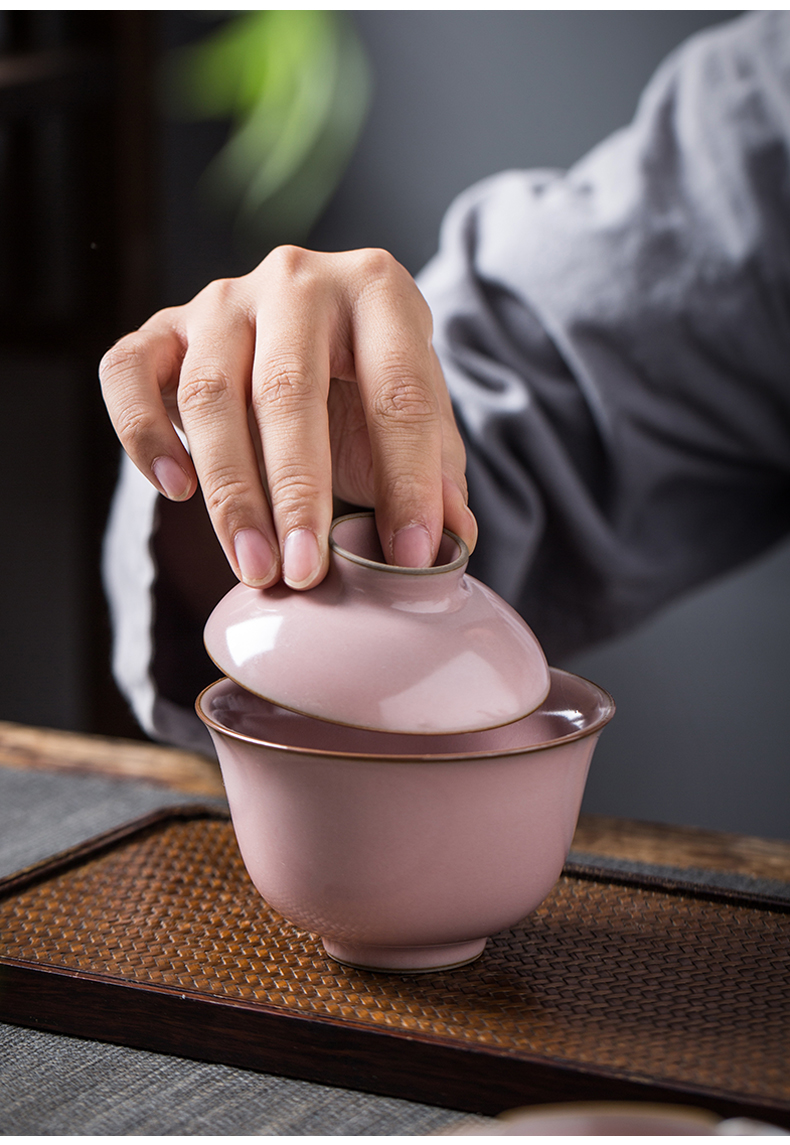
(125, 184)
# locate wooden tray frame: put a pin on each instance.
(344, 1052)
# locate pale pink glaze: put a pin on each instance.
(376, 646)
(602, 1119)
(404, 852)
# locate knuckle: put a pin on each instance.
(136, 424)
(170, 318)
(285, 382)
(378, 264)
(206, 387)
(380, 274)
(291, 489)
(122, 359)
(402, 401)
(225, 494)
(220, 292)
(289, 261)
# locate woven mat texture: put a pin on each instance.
(660, 985)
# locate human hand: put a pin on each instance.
(313, 374)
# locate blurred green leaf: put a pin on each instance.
(295, 86)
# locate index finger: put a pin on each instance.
(135, 375)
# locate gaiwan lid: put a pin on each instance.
(430, 651)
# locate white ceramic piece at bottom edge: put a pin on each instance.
(405, 959)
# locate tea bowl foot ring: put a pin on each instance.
(405, 959)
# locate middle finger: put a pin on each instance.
(213, 396)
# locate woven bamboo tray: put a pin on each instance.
(616, 988)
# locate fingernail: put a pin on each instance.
(301, 557)
(473, 529)
(412, 548)
(173, 480)
(254, 556)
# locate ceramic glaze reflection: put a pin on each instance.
(380, 647)
(404, 852)
(573, 707)
(604, 1119)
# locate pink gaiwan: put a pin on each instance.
(404, 771)
(402, 852)
(414, 651)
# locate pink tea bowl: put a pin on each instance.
(404, 852)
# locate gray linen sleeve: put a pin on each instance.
(616, 340)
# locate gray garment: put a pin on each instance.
(616, 340)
